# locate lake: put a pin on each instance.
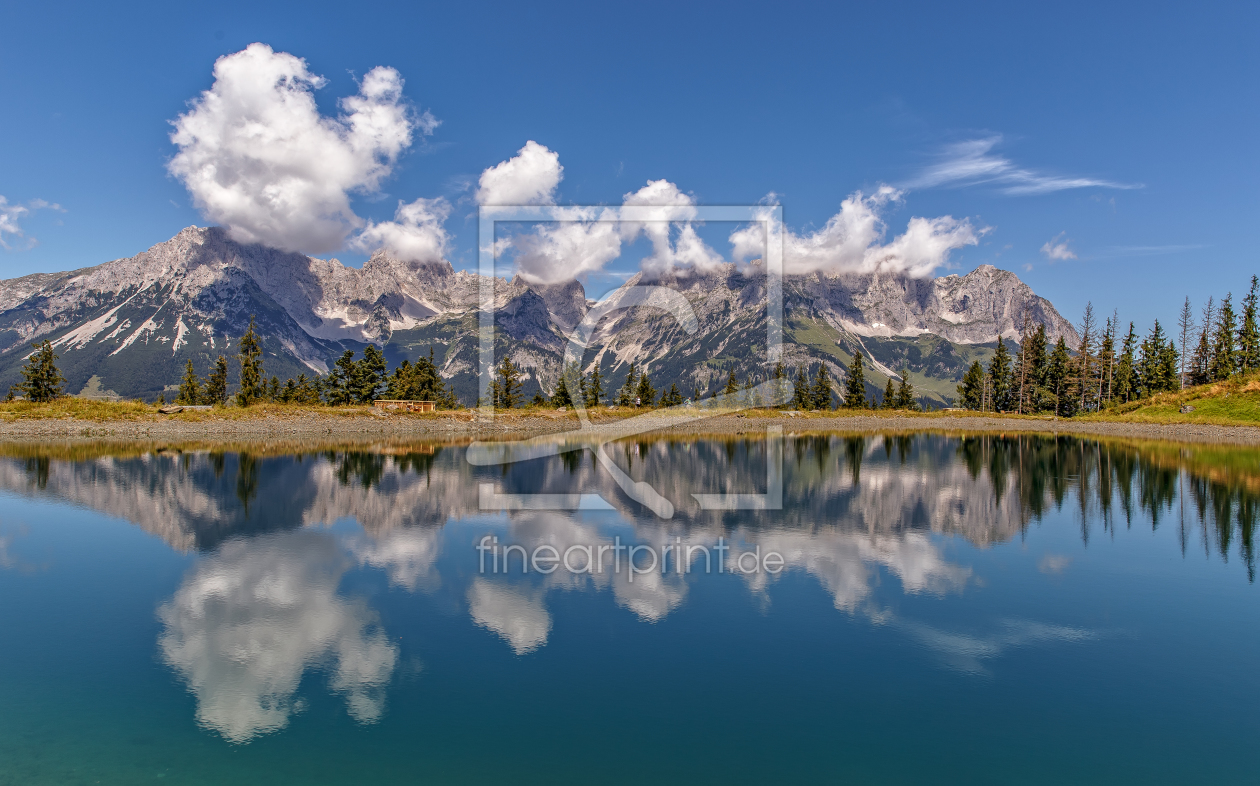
(902, 608)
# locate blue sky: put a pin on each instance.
(1154, 106)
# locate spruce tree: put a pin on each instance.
(307, 390)
(249, 354)
(561, 397)
(732, 388)
(216, 383)
(890, 396)
(1153, 374)
(800, 391)
(1224, 351)
(273, 388)
(290, 392)
(971, 391)
(905, 393)
(1201, 360)
(509, 385)
(1125, 387)
(369, 376)
(1248, 332)
(820, 393)
(1185, 332)
(1031, 366)
(644, 391)
(189, 386)
(594, 388)
(1169, 376)
(625, 394)
(855, 385)
(1085, 358)
(671, 397)
(1000, 377)
(341, 380)
(538, 400)
(1058, 381)
(41, 379)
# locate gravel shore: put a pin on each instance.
(460, 426)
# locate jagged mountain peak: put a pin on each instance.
(135, 321)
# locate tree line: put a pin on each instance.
(637, 389)
(1108, 368)
(349, 381)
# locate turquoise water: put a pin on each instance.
(985, 610)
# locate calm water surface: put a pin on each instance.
(948, 610)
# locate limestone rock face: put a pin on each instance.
(135, 322)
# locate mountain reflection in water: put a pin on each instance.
(265, 602)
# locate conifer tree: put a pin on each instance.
(289, 394)
(1106, 363)
(905, 393)
(1000, 377)
(306, 390)
(273, 388)
(820, 393)
(1126, 384)
(1058, 382)
(1224, 351)
(249, 353)
(671, 397)
(1169, 375)
(644, 391)
(216, 383)
(890, 396)
(1185, 331)
(800, 391)
(189, 386)
(855, 385)
(1201, 360)
(1085, 357)
(594, 388)
(560, 397)
(538, 400)
(732, 387)
(41, 379)
(509, 384)
(1248, 332)
(1154, 373)
(341, 380)
(625, 395)
(971, 391)
(1031, 367)
(369, 375)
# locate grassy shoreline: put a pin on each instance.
(76, 420)
(1225, 412)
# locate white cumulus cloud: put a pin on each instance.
(417, 233)
(259, 158)
(1056, 248)
(528, 178)
(850, 241)
(585, 239)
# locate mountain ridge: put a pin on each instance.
(135, 321)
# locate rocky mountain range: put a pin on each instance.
(128, 326)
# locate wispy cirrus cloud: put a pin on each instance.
(974, 163)
(1150, 251)
(12, 236)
